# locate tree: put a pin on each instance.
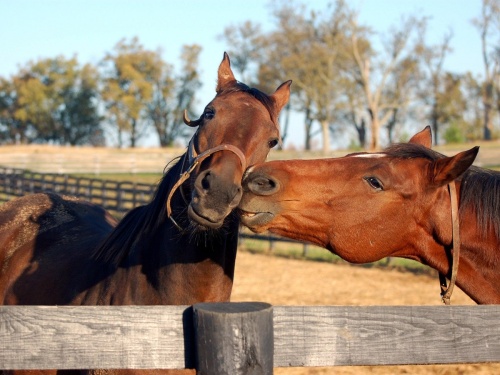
(171, 96)
(15, 128)
(433, 91)
(128, 72)
(51, 100)
(245, 41)
(383, 77)
(306, 45)
(474, 111)
(250, 51)
(140, 90)
(488, 25)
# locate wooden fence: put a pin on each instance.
(115, 196)
(146, 337)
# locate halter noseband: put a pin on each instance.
(193, 160)
(446, 291)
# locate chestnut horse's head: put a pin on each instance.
(236, 130)
(364, 206)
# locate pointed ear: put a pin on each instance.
(423, 137)
(281, 96)
(225, 75)
(447, 169)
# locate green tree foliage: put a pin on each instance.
(12, 129)
(51, 100)
(172, 95)
(339, 76)
(306, 47)
(140, 90)
(128, 72)
(488, 25)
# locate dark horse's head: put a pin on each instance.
(236, 130)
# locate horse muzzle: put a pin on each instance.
(213, 199)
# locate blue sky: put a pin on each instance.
(32, 29)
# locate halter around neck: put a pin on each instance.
(193, 160)
(446, 291)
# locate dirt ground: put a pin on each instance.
(282, 281)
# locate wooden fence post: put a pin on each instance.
(234, 338)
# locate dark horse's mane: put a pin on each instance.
(139, 225)
(480, 188)
(139, 222)
(256, 93)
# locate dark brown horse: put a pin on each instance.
(60, 251)
(368, 206)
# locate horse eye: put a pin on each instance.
(208, 114)
(374, 183)
(272, 143)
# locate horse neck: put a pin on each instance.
(191, 268)
(161, 264)
(479, 266)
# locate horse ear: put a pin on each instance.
(423, 137)
(281, 96)
(225, 75)
(447, 169)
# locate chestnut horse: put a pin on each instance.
(368, 206)
(60, 251)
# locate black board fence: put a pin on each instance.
(118, 197)
(245, 338)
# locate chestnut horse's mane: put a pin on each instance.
(480, 188)
(139, 224)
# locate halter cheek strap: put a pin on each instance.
(446, 291)
(193, 160)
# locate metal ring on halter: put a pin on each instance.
(194, 160)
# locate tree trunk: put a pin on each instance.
(133, 133)
(487, 103)
(308, 126)
(325, 130)
(286, 124)
(361, 129)
(375, 130)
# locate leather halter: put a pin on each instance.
(446, 291)
(193, 160)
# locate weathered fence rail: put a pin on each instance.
(64, 337)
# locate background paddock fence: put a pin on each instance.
(142, 337)
(116, 196)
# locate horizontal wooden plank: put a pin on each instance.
(34, 337)
(67, 337)
(385, 335)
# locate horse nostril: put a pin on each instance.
(205, 182)
(263, 185)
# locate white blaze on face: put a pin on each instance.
(369, 156)
(248, 171)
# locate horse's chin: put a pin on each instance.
(256, 221)
(202, 222)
